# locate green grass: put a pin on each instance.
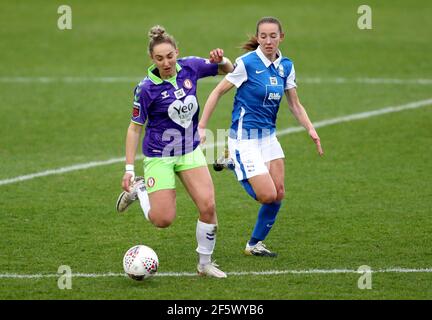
(366, 202)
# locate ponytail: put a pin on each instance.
(251, 44)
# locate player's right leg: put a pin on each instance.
(163, 207)
(266, 194)
(160, 191)
(158, 206)
(264, 188)
(125, 198)
(156, 193)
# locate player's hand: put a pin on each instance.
(216, 55)
(128, 177)
(202, 134)
(316, 139)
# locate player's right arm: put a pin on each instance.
(138, 119)
(132, 139)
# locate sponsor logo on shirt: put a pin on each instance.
(182, 112)
(274, 96)
(259, 71)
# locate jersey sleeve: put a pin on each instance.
(291, 80)
(238, 75)
(203, 67)
(140, 105)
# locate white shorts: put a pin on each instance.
(250, 156)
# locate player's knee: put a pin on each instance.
(207, 209)
(162, 221)
(267, 197)
(280, 194)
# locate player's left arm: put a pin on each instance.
(224, 64)
(300, 114)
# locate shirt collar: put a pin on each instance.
(266, 61)
(157, 80)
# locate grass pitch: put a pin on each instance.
(367, 202)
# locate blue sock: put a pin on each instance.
(247, 186)
(266, 218)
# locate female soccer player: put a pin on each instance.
(166, 100)
(261, 76)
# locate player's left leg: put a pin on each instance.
(267, 213)
(196, 178)
(277, 172)
(273, 155)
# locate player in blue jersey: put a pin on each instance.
(262, 77)
(166, 103)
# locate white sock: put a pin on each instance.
(206, 238)
(204, 259)
(144, 201)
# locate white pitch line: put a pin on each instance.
(234, 273)
(323, 123)
(129, 79)
(361, 115)
(61, 170)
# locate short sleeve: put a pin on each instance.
(291, 80)
(203, 67)
(238, 75)
(140, 104)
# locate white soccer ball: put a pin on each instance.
(140, 262)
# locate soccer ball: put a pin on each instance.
(140, 262)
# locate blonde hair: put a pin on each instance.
(252, 43)
(158, 35)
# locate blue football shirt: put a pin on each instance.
(261, 85)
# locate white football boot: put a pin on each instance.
(125, 198)
(210, 270)
(224, 162)
(259, 250)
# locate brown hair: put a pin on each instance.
(252, 43)
(158, 35)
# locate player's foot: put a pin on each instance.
(125, 198)
(210, 270)
(223, 162)
(259, 249)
